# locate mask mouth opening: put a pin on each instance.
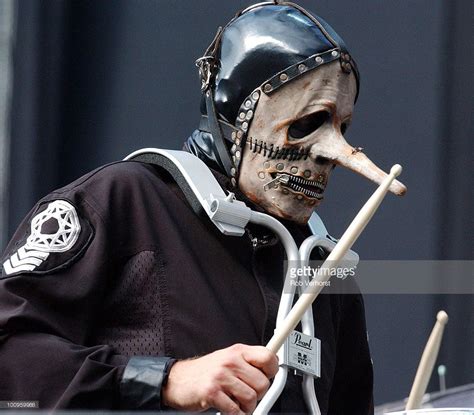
(312, 189)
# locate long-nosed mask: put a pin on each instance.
(295, 140)
(279, 86)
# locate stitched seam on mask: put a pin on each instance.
(272, 152)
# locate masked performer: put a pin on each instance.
(115, 294)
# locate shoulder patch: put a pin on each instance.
(56, 229)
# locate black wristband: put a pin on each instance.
(142, 381)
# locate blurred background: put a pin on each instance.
(84, 83)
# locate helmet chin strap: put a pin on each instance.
(216, 132)
(207, 70)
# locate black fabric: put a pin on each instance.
(201, 144)
(142, 381)
(66, 338)
(135, 324)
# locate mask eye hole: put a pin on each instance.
(306, 125)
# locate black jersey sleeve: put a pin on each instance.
(55, 275)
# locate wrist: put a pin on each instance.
(170, 386)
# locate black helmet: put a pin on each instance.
(262, 48)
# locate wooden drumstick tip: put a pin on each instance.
(442, 317)
(396, 170)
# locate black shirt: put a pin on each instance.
(146, 276)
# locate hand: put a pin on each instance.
(230, 380)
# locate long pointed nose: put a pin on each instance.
(335, 148)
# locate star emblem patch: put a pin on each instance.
(54, 230)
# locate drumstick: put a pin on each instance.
(427, 362)
(347, 240)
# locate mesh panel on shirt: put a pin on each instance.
(133, 317)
